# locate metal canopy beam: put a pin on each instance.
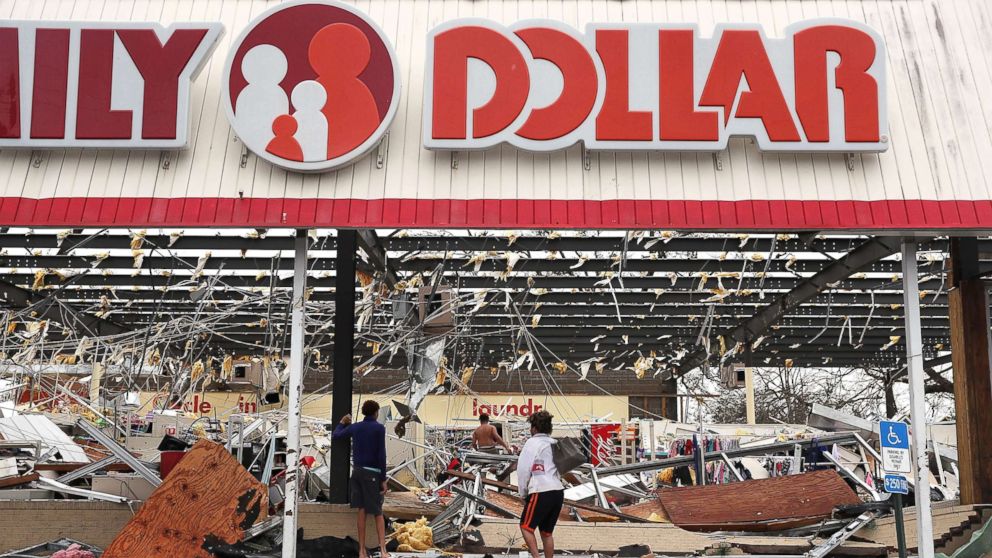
(426, 243)
(871, 251)
(455, 265)
(159, 280)
(369, 241)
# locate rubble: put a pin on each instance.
(219, 491)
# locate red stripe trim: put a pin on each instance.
(748, 215)
(530, 511)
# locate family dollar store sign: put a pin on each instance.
(543, 86)
(99, 85)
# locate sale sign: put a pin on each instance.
(543, 86)
(94, 84)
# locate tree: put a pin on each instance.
(787, 394)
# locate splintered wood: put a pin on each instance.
(207, 497)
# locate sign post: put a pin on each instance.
(900, 526)
(894, 438)
(920, 462)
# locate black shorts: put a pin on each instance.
(366, 490)
(541, 511)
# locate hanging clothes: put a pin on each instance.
(715, 472)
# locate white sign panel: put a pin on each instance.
(894, 438)
(99, 84)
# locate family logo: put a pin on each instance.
(311, 85)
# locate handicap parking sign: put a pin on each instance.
(894, 437)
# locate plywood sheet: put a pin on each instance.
(208, 495)
(758, 505)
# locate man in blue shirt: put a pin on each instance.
(368, 477)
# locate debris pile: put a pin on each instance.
(202, 492)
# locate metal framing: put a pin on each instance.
(662, 285)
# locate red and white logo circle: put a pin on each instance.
(311, 85)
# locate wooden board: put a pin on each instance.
(758, 505)
(18, 480)
(208, 495)
(515, 504)
(408, 507)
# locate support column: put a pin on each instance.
(749, 395)
(749, 382)
(968, 312)
(917, 407)
(344, 348)
(296, 366)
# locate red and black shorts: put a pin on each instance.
(541, 511)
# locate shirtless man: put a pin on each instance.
(485, 438)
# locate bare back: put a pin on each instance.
(485, 436)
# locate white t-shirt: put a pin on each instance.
(536, 471)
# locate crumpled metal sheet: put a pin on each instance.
(424, 368)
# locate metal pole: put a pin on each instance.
(917, 410)
(699, 450)
(900, 526)
(296, 364)
(749, 389)
(344, 347)
(749, 382)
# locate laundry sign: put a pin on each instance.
(543, 86)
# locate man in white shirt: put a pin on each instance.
(540, 486)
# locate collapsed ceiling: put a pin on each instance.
(646, 304)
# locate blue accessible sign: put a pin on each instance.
(894, 438)
(896, 484)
